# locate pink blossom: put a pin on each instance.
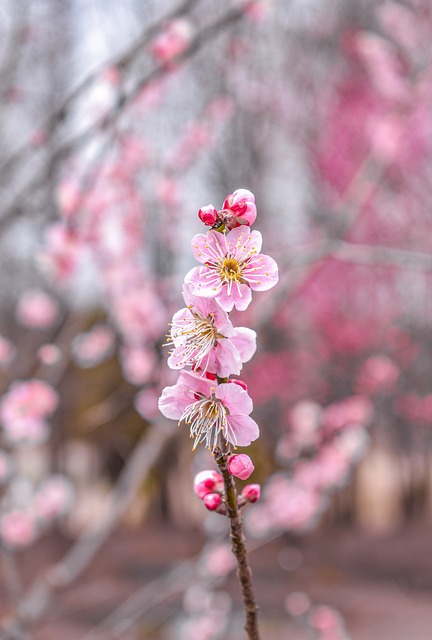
(232, 268)
(240, 466)
(208, 481)
(210, 410)
(212, 501)
(49, 354)
(351, 410)
(53, 497)
(17, 529)
(24, 409)
(138, 363)
(239, 209)
(251, 492)
(219, 560)
(146, 403)
(203, 337)
(62, 251)
(378, 374)
(37, 309)
(94, 346)
(208, 214)
(172, 41)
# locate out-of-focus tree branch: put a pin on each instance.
(124, 98)
(67, 570)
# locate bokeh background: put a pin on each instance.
(118, 122)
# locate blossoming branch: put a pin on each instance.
(208, 350)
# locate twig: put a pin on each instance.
(238, 547)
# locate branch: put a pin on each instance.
(123, 99)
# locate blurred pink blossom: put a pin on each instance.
(378, 374)
(37, 309)
(95, 346)
(146, 403)
(138, 363)
(172, 41)
(49, 354)
(53, 498)
(24, 409)
(17, 529)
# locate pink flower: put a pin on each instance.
(146, 403)
(24, 409)
(212, 501)
(233, 267)
(138, 363)
(203, 337)
(49, 354)
(37, 309)
(210, 410)
(240, 466)
(172, 41)
(208, 481)
(53, 498)
(251, 492)
(17, 529)
(239, 209)
(94, 346)
(208, 215)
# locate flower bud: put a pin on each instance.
(240, 208)
(240, 466)
(240, 383)
(251, 492)
(212, 501)
(207, 482)
(208, 215)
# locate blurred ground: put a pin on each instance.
(382, 586)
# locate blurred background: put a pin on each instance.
(118, 122)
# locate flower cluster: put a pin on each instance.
(209, 486)
(206, 347)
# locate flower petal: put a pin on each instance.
(241, 430)
(228, 361)
(174, 401)
(244, 339)
(234, 398)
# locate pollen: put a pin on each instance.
(230, 269)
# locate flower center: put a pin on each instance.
(230, 270)
(198, 335)
(206, 419)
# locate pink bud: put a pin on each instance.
(240, 383)
(240, 208)
(251, 492)
(240, 466)
(208, 215)
(207, 482)
(212, 501)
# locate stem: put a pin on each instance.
(221, 454)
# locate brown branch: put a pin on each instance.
(244, 572)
